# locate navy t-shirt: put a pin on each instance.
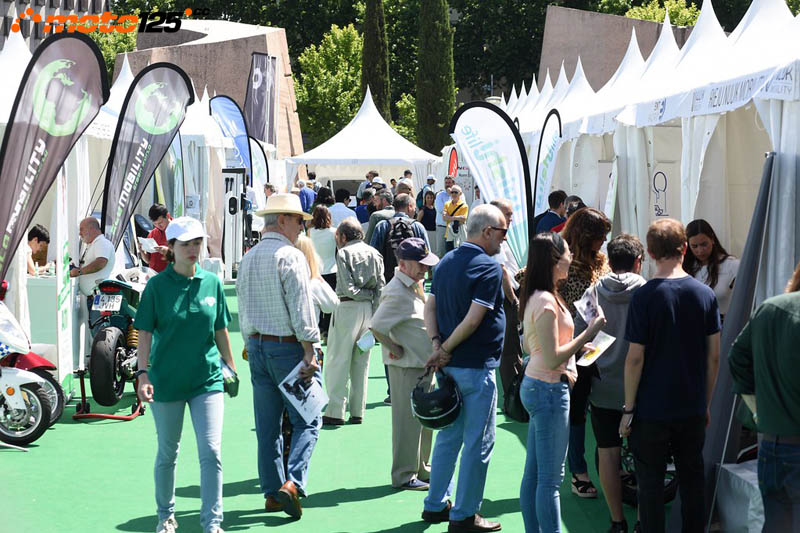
(672, 318)
(549, 221)
(466, 275)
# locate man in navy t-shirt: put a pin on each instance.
(464, 317)
(673, 329)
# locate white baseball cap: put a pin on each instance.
(431, 177)
(185, 229)
(407, 182)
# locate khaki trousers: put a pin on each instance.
(438, 246)
(345, 362)
(411, 443)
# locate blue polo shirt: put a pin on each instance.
(672, 318)
(466, 275)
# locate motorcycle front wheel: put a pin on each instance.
(54, 391)
(20, 427)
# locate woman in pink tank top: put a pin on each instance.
(547, 326)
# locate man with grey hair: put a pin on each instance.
(391, 232)
(277, 320)
(384, 210)
(269, 189)
(442, 197)
(307, 196)
(359, 280)
(97, 259)
(465, 320)
(511, 360)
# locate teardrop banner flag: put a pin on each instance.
(229, 116)
(550, 138)
(492, 148)
(151, 115)
(60, 93)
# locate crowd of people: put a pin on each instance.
(323, 272)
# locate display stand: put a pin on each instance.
(83, 409)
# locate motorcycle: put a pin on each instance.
(112, 360)
(25, 405)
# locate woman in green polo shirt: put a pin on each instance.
(182, 321)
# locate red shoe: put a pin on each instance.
(289, 500)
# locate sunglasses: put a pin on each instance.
(504, 230)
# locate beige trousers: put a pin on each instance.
(411, 443)
(345, 362)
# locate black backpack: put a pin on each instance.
(400, 228)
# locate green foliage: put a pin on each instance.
(375, 58)
(435, 78)
(500, 38)
(614, 7)
(327, 88)
(679, 13)
(406, 124)
(794, 5)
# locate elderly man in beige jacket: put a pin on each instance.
(399, 325)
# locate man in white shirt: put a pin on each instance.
(364, 184)
(339, 210)
(511, 358)
(97, 259)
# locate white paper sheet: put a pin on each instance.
(148, 245)
(601, 343)
(587, 306)
(308, 397)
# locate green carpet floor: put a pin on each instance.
(97, 476)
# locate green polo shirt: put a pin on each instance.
(764, 360)
(183, 314)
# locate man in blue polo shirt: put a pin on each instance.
(464, 317)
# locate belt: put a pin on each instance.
(564, 378)
(273, 338)
(781, 439)
(346, 299)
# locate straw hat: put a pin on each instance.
(284, 204)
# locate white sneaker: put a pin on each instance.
(167, 526)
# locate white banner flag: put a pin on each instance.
(491, 147)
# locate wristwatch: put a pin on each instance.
(626, 411)
(139, 373)
(436, 338)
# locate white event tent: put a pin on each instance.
(367, 141)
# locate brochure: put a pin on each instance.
(601, 343)
(148, 245)
(587, 306)
(308, 397)
(366, 341)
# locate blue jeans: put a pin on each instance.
(474, 428)
(548, 435)
(779, 481)
(206, 411)
(270, 363)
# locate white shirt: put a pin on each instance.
(438, 203)
(250, 195)
(324, 298)
(339, 212)
(476, 202)
(726, 277)
(99, 247)
(507, 260)
(324, 241)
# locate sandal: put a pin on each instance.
(583, 489)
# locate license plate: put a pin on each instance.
(107, 302)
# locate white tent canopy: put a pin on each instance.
(14, 59)
(367, 141)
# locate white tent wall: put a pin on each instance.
(420, 171)
(782, 241)
(588, 176)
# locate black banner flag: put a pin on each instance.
(259, 103)
(60, 93)
(151, 115)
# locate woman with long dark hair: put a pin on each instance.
(548, 328)
(708, 262)
(585, 233)
(427, 215)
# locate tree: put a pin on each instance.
(327, 88)
(679, 13)
(503, 39)
(375, 58)
(110, 45)
(435, 79)
(406, 124)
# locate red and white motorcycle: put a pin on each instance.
(26, 407)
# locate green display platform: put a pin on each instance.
(97, 476)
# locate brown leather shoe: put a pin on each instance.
(474, 523)
(289, 500)
(330, 421)
(437, 517)
(271, 505)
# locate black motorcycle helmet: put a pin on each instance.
(440, 407)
